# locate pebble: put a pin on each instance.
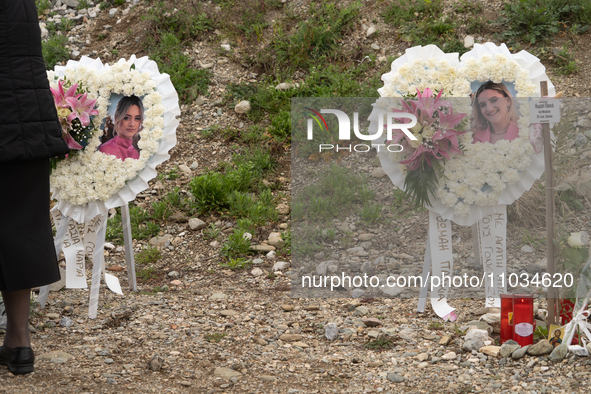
(242, 107)
(228, 313)
(519, 353)
(226, 373)
(66, 322)
(449, 356)
(56, 357)
(394, 377)
(541, 348)
(156, 362)
(361, 311)
(372, 322)
(331, 331)
(581, 140)
(290, 337)
(218, 297)
(283, 86)
(276, 242)
(559, 353)
(468, 41)
(162, 241)
(282, 209)
(422, 357)
(280, 266)
(509, 347)
(490, 350)
(371, 31)
(184, 168)
(256, 271)
(196, 224)
(113, 12)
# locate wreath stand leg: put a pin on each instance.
(128, 241)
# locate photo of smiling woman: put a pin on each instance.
(129, 116)
(494, 114)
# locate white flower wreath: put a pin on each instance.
(486, 174)
(92, 182)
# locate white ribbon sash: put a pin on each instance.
(442, 263)
(76, 247)
(580, 322)
(73, 247)
(493, 252)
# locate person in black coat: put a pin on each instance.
(30, 134)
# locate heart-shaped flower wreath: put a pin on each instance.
(91, 182)
(484, 175)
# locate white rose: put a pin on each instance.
(575, 240)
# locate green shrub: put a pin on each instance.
(211, 190)
(187, 22)
(371, 213)
(313, 41)
(422, 22)
(142, 227)
(239, 203)
(238, 263)
(174, 198)
(332, 196)
(42, 5)
(148, 256)
(537, 20)
(161, 210)
(188, 81)
(170, 31)
(55, 50)
(236, 245)
(259, 158)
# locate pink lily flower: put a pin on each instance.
(82, 108)
(72, 144)
(449, 121)
(427, 102)
(59, 97)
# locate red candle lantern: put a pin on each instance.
(523, 319)
(506, 317)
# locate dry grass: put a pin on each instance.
(529, 211)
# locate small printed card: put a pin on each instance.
(544, 111)
(555, 334)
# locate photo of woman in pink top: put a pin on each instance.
(129, 116)
(494, 114)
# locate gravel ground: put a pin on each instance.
(216, 330)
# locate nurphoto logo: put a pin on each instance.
(345, 130)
